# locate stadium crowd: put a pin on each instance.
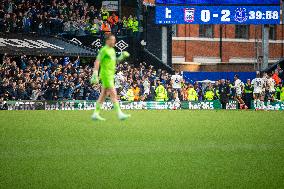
(53, 78)
(74, 17)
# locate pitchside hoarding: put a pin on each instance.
(219, 2)
(90, 105)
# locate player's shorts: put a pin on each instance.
(239, 94)
(107, 83)
(257, 94)
(270, 95)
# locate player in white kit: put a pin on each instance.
(176, 81)
(259, 86)
(265, 79)
(239, 85)
(270, 87)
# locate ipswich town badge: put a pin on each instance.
(189, 15)
(241, 15)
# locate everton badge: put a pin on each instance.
(241, 15)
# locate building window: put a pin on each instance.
(206, 30)
(282, 11)
(174, 30)
(272, 32)
(242, 31)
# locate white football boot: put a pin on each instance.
(123, 116)
(96, 116)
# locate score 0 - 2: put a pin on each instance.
(253, 15)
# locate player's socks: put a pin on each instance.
(117, 108)
(121, 115)
(255, 104)
(262, 105)
(259, 105)
(98, 107)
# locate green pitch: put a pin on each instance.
(153, 149)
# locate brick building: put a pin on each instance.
(223, 47)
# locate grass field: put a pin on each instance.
(154, 149)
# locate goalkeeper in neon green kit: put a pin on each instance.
(107, 61)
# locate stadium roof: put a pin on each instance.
(32, 44)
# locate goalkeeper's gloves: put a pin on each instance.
(123, 56)
(95, 77)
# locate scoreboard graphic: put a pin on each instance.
(218, 2)
(246, 12)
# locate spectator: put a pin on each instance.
(105, 14)
(224, 92)
(192, 94)
(209, 94)
(248, 93)
(130, 95)
(112, 20)
(170, 94)
(282, 92)
(56, 78)
(276, 77)
(27, 22)
(130, 24)
(21, 93)
(45, 17)
(120, 28)
(135, 27)
(161, 93)
(184, 93)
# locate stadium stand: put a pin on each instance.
(26, 74)
(62, 17)
(58, 78)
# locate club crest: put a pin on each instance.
(189, 15)
(241, 15)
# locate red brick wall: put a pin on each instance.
(243, 50)
(191, 49)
